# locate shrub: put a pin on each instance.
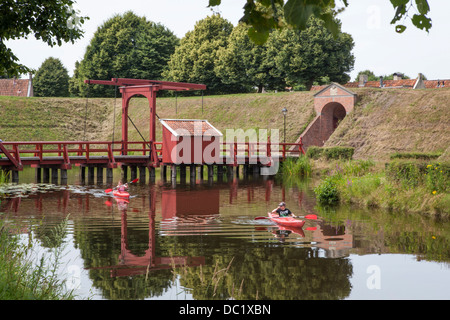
(415, 155)
(330, 153)
(314, 152)
(336, 153)
(297, 166)
(327, 191)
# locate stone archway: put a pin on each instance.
(332, 113)
(331, 104)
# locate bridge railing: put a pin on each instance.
(44, 152)
(241, 150)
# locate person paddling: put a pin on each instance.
(282, 211)
(122, 187)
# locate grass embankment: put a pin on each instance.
(383, 121)
(387, 121)
(411, 183)
(58, 119)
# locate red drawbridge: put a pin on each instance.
(145, 155)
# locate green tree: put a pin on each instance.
(51, 79)
(52, 21)
(265, 15)
(304, 57)
(196, 57)
(125, 46)
(244, 63)
(369, 73)
(372, 77)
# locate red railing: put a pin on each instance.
(66, 153)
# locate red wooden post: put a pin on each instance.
(87, 152)
(235, 154)
(301, 146)
(112, 161)
(41, 151)
(17, 154)
(66, 157)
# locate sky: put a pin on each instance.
(377, 46)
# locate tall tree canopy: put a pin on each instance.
(265, 15)
(125, 46)
(195, 59)
(290, 57)
(51, 79)
(244, 63)
(52, 21)
(305, 56)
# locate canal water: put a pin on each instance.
(201, 241)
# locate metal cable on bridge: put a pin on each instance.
(85, 112)
(114, 118)
(139, 132)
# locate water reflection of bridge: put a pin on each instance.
(199, 204)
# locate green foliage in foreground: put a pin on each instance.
(296, 167)
(23, 278)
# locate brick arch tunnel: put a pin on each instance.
(331, 104)
(332, 113)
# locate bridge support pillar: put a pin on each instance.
(109, 175)
(63, 176)
(173, 173)
(54, 175)
(193, 173)
(142, 174)
(38, 175)
(163, 172)
(230, 172)
(124, 175)
(45, 175)
(133, 170)
(82, 175)
(14, 176)
(182, 173)
(152, 174)
(219, 172)
(91, 172)
(99, 175)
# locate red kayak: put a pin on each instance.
(121, 194)
(286, 221)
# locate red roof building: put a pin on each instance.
(396, 83)
(17, 87)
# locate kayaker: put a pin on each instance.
(282, 211)
(122, 187)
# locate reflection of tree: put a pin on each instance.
(131, 288)
(100, 248)
(271, 273)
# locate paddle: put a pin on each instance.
(309, 216)
(110, 190)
